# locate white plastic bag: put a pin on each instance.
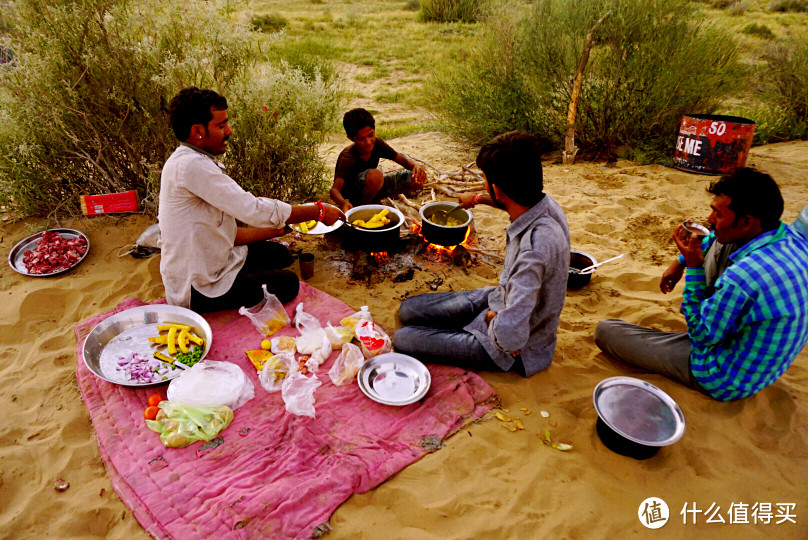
(372, 339)
(352, 320)
(210, 384)
(276, 370)
(311, 333)
(268, 315)
(297, 392)
(280, 344)
(338, 336)
(347, 365)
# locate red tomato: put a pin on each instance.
(155, 399)
(151, 413)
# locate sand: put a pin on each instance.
(486, 482)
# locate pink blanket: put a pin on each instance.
(276, 475)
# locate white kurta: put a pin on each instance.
(199, 206)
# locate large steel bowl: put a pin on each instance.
(129, 330)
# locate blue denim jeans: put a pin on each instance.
(433, 330)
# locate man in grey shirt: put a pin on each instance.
(208, 263)
(512, 326)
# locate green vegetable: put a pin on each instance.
(191, 358)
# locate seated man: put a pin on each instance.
(357, 180)
(511, 326)
(745, 333)
(208, 263)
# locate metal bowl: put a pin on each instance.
(635, 418)
(394, 379)
(443, 235)
(17, 253)
(578, 261)
(128, 331)
(381, 239)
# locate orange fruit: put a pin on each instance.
(151, 413)
(155, 399)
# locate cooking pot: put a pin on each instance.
(384, 238)
(578, 261)
(443, 235)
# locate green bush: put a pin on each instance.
(269, 23)
(788, 5)
(784, 92)
(412, 5)
(758, 30)
(83, 108)
(650, 65)
(450, 10)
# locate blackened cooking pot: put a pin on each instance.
(384, 238)
(443, 235)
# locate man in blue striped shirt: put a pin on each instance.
(745, 329)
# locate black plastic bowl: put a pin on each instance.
(578, 261)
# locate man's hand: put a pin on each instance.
(490, 316)
(346, 205)
(671, 277)
(690, 246)
(418, 177)
(331, 214)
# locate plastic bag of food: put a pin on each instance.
(347, 365)
(276, 369)
(268, 315)
(180, 424)
(280, 344)
(297, 392)
(338, 336)
(351, 320)
(311, 333)
(210, 384)
(372, 339)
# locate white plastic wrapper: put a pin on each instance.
(268, 315)
(352, 320)
(347, 365)
(276, 370)
(372, 339)
(311, 333)
(338, 335)
(211, 384)
(297, 392)
(281, 344)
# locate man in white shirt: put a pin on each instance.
(208, 263)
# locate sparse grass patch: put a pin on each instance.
(758, 30)
(451, 10)
(392, 129)
(788, 5)
(269, 23)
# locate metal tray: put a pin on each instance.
(22, 247)
(639, 411)
(394, 379)
(320, 228)
(128, 331)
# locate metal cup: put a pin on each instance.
(306, 261)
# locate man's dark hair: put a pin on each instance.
(356, 119)
(751, 193)
(193, 106)
(512, 161)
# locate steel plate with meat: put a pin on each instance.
(49, 253)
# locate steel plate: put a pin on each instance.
(128, 331)
(394, 379)
(639, 411)
(320, 228)
(22, 247)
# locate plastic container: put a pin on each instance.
(801, 223)
(713, 144)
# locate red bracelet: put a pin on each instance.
(322, 210)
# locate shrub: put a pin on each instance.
(269, 23)
(788, 5)
(650, 65)
(758, 30)
(785, 92)
(83, 108)
(450, 10)
(412, 5)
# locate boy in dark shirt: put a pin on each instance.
(357, 179)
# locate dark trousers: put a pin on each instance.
(265, 264)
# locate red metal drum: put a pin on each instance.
(713, 144)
